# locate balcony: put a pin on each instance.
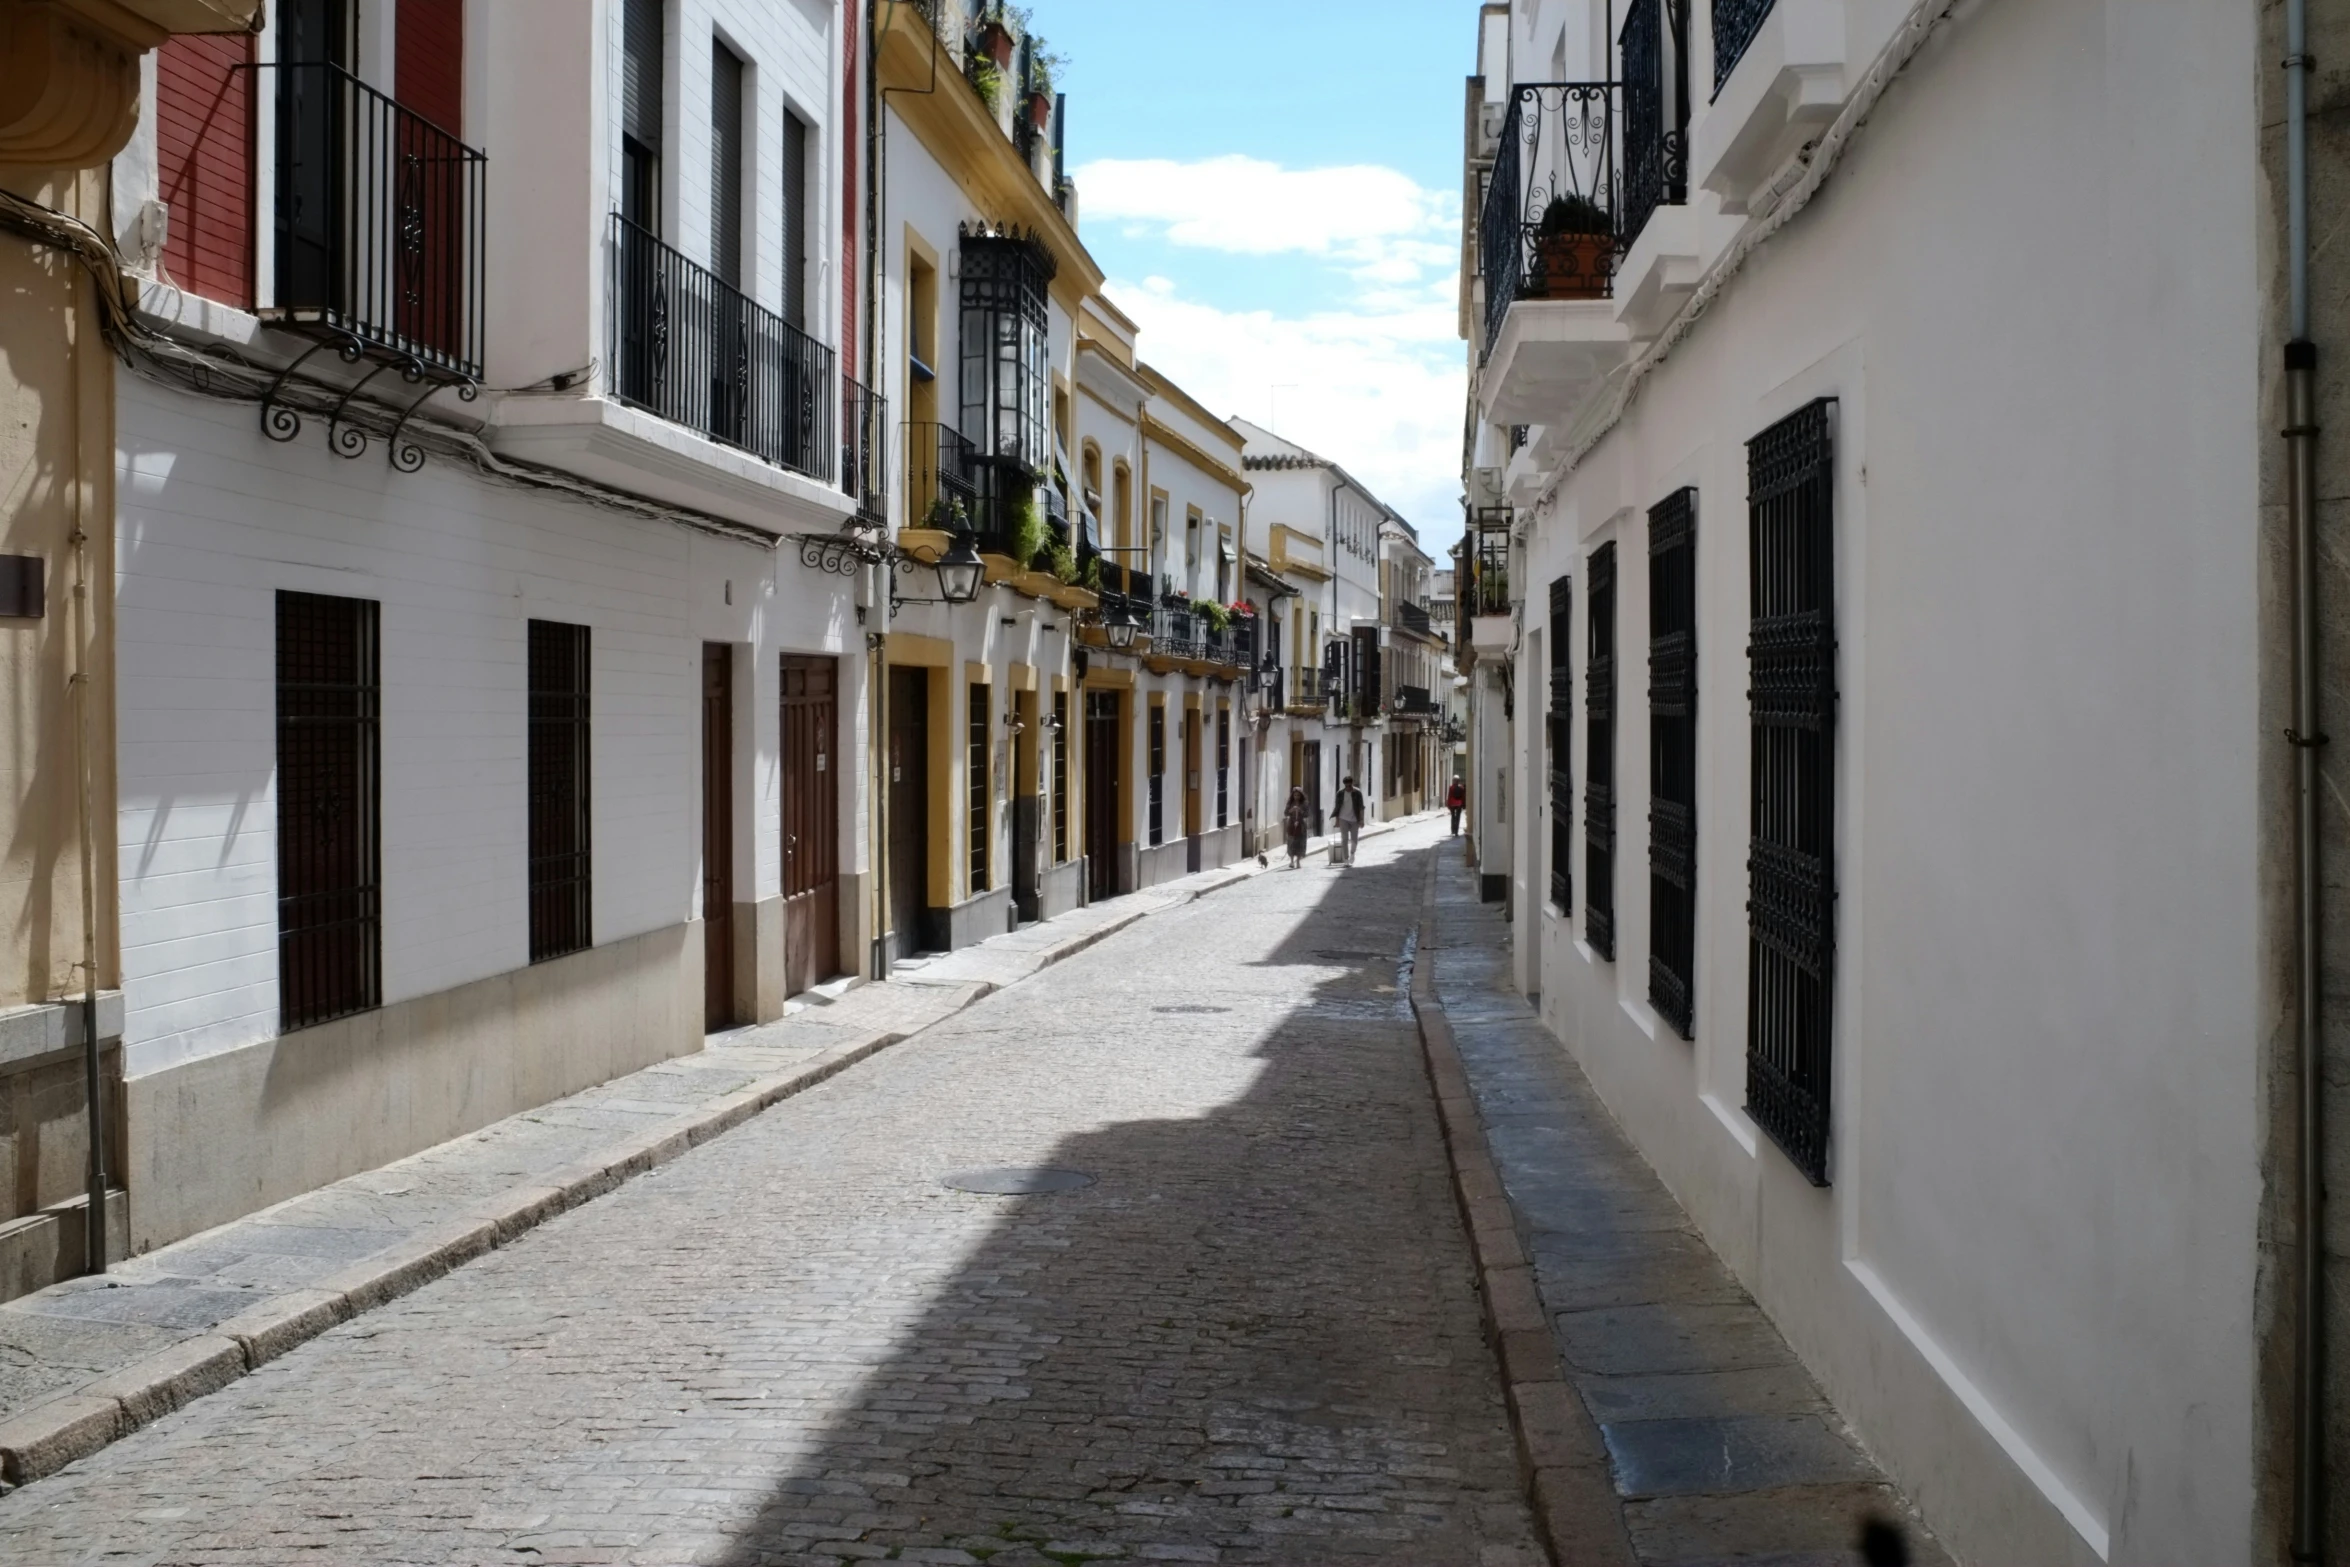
(1414, 617)
(1548, 237)
(1414, 702)
(379, 227)
(864, 451)
(1487, 554)
(1782, 71)
(939, 489)
(1176, 633)
(694, 350)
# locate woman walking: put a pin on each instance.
(1293, 826)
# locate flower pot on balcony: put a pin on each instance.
(995, 41)
(1040, 109)
(1572, 266)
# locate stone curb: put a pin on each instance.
(45, 1438)
(1562, 1462)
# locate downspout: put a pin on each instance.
(2309, 1475)
(84, 644)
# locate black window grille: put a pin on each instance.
(1791, 866)
(976, 788)
(1655, 43)
(1060, 777)
(559, 839)
(1158, 775)
(1223, 767)
(1599, 754)
(1735, 24)
(1006, 387)
(1672, 759)
(329, 804)
(1561, 724)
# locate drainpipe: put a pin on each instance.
(85, 639)
(2309, 1476)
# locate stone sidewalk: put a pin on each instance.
(92, 1359)
(1716, 1443)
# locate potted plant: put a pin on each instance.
(988, 77)
(1574, 250)
(1044, 68)
(995, 38)
(1216, 615)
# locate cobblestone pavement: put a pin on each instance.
(1252, 1338)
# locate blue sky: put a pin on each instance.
(1273, 191)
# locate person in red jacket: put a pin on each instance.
(1456, 800)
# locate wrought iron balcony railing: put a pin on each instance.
(1735, 24)
(379, 224)
(1414, 617)
(693, 349)
(1414, 701)
(939, 492)
(1655, 52)
(1176, 633)
(864, 451)
(1549, 226)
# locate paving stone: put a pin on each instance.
(1769, 1390)
(1253, 1339)
(1804, 1526)
(1739, 1453)
(1670, 1336)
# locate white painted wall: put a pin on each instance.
(214, 520)
(2031, 1286)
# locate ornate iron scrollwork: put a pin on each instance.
(843, 554)
(278, 420)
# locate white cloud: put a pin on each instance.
(1376, 221)
(1379, 392)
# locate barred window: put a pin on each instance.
(1599, 754)
(977, 794)
(1561, 724)
(559, 864)
(1672, 759)
(329, 805)
(1158, 774)
(1223, 766)
(1791, 865)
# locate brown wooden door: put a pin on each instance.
(1101, 794)
(811, 822)
(717, 835)
(1191, 788)
(909, 809)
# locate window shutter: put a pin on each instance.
(429, 61)
(204, 163)
(1791, 864)
(1561, 724)
(1599, 754)
(641, 73)
(1672, 750)
(796, 223)
(726, 165)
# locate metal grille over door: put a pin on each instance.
(1791, 867)
(559, 863)
(979, 807)
(1561, 727)
(1599, 755)
(329, 771)
(1672, 758)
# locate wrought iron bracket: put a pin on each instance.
(279, 422)
(407, 456)
(840, 554)
(349, 440)
(2294, 737)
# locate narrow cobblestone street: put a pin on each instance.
(1252, 1338)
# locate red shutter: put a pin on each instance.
(204, 163)
(429, 74)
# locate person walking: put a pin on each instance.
(1293, 826)
(1349, 817)
(1456, 800)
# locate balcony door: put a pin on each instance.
(1102, 756)
(313, 49)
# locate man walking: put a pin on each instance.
(1349, 817)
(1456, 800)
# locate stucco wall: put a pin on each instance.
(2031, 1284)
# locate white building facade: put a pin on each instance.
(1869, 484)
(483, 730)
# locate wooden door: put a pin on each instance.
(1027, 809)
(811, 822)
(717, 835)
(909, 809)
(1101, 794)
(1191, 788)
(1311, 776)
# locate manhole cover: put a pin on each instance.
(1017, 1182)
(1192, 1009)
